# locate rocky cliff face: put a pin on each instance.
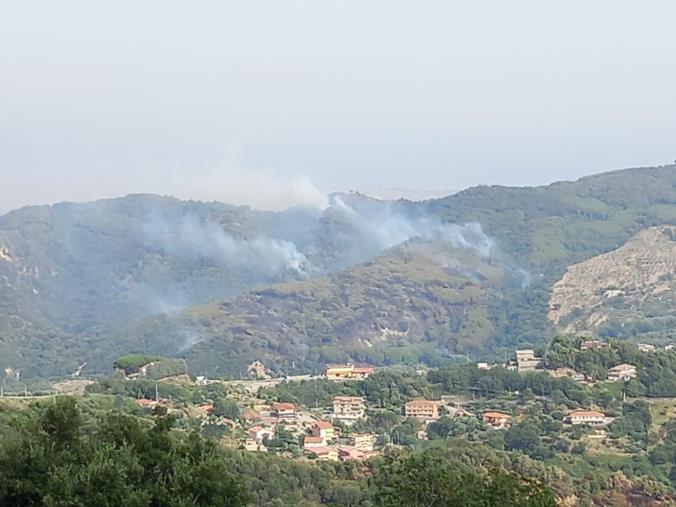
(636, 282)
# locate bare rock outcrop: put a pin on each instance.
(620, 285)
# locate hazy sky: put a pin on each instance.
(249, 101)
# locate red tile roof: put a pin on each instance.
(497, 415)
(283, 406)
(323, 425)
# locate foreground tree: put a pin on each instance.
(430, 479)
(53, 459)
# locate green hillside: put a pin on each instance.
(223, 284)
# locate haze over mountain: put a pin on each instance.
(465, 274)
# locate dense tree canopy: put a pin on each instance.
(54, 459)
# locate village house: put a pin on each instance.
(593, 344)
(204, 411)
(250, 415)
(348, 408)
(421, 409)
(284, 410)
(646, 347)
(142, 402)
(568, 373)
(347, 372)
(496, 419)
(312, 441)
(622, 372)
(325, 453)
(323, 429)
(526, 361)
(588, 417)
(254, 446)
(259, 434)
(351, 454)
(361, 441)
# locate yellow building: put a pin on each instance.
(347, 371)
(422, 409)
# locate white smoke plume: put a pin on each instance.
(387, 224)
(195, 238)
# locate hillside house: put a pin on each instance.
(142, 402)
(284, 410)
(259, 434)
(587, 417)
(422, 409)
(325, 453)
(347, 372)
(646, 347)
(496, 419)
(204, 411)
(526, 361)
(312, 442)
(253, 446)
(250, 415)
(593, 344)
(351, 454)
(348, 408)
(361, 441)
(622, 372)
(323, 429)
(568, 373)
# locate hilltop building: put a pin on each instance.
(422, 409)
(347, 372)
(348, 408)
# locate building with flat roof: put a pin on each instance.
(362, 441)
(348, 408)
(526, 361)
(348, 372)
(587, 417)
(422, 409)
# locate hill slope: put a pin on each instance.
(631, 290)
(78, 277)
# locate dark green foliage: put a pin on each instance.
(51, 460)
(131, 363)
(224, 407)
(656, 370)
(430, 479)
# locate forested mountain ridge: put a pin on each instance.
(78, 276)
